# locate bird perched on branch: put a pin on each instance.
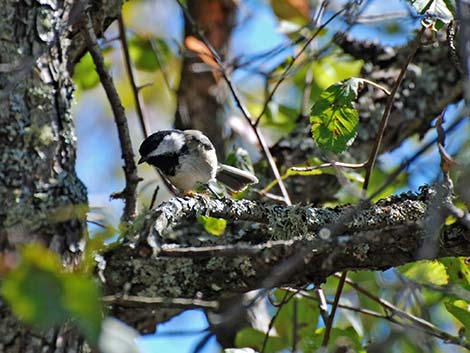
(187, 159)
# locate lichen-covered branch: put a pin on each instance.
(374, 236)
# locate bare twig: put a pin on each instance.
(294, 59)
(130, 171)
(329, 325)
(393, 310)
(154, 196)
(139, 301)
(410, 160)
(130, 73)
(285, 300)
(376, 85)
(330, 164)
(370, 165)
(388, 108)
(245, 112)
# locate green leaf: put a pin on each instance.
(143, 53)
(41, 293)
(214, 226)
(334, 68)
(460, 309)
(347, 339)
(304, 310)
(82, 300)
(426, 272)
(84, 75)
(249, 337)
(458, 270)
(333, 117)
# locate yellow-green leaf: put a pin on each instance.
(460, 309)
(41, 293)
(426, 272)
(214, 226)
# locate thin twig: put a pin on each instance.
(305, 106)
(376, 85)
(410, 160)
(369, 167)
(427, 326)
(329, 325)
(130, 73)
(245, 112)
(329, 164)
(154, 197)
(293, 60)
(129, 194)
(139, 301)
(388, 108)
(285, 300)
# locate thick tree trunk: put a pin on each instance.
(42, 198)
(200, 97)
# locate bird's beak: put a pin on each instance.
(141, 160)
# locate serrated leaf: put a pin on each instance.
(460, 310)
(214, 226)
(41, 293)
(333, 117)
(249, 337)
(426, 272)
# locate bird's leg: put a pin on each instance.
(208, 186)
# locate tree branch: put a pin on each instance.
(130, 170)
(394, 224)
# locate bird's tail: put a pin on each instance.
(236, 179)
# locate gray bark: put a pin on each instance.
(314, 243)
(42, 198)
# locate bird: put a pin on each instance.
(188, 160)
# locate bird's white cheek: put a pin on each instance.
(171, 143)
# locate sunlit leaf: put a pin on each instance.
(292, 10)
(202, 50)
(214, 226)
(461, 310)
(81, 299)
(333, 117)
(335, 68)
(426, 272)
(458, 270)
(85, 75)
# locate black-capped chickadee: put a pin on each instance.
(188, 160)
